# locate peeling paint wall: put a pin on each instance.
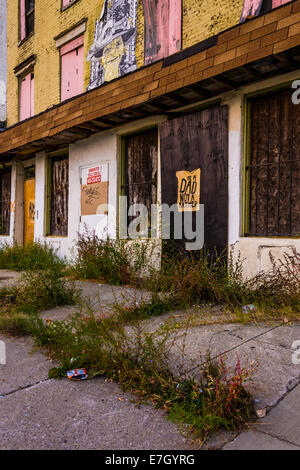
(200, 19)
(2, 60)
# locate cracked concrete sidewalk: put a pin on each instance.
(38, 413)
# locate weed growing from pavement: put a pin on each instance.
(187, 281)
(39, 290)
(115, 262)
(139, 361)
(30, 257)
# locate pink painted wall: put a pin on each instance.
(162, 28)
(27, 97)
(22, 20)
(72, 69)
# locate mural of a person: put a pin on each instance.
(112, 53)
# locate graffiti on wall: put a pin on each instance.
(163, 20)
(112, 53)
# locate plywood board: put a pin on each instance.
(94, 198)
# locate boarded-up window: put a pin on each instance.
(162, 20)
(5, 203)
(140, 170)
(273, 172)
(66, 3)
(199, 141)
(256, 7)
(278, 3)
(58, 193)
(26, 18)
(27, 96)
(72, 69)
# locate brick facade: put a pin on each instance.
(261, 37)
(201, 19)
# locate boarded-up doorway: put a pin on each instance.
(58, 196)
(5, 202)
(29, 204)
(199, 141)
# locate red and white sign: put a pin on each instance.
(94, 175)
(98, 173)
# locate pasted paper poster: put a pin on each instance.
(94, 190)
(188, 190)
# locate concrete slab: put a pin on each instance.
(276, 374)
(99, 298)
(254, 440)
(93, 414)
(271, 352)
(8, 277)
(23, 367)
(283, 421)
(191, 346)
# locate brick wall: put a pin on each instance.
(205, 18)
(50, 22)
(272, 33)
(201, 19)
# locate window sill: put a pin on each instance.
(20, 43)
(272, 237)
(56, 236)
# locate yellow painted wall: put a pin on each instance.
(201, 19)
(205, 18)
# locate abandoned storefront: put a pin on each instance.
(208, 130)
(251, 198)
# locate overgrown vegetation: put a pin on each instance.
(112, 261)
(191, 280)
(186, 281)
(30, 257)
(140, 362)
(39, 290)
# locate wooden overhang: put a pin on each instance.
(261, 48)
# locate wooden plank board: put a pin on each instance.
(141, 168)
(162, 28)
(59, 197)
(199, 140)
(5, 202)
(274, 172)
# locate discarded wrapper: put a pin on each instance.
(261, 413)
(77, 374)
(249, 308)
